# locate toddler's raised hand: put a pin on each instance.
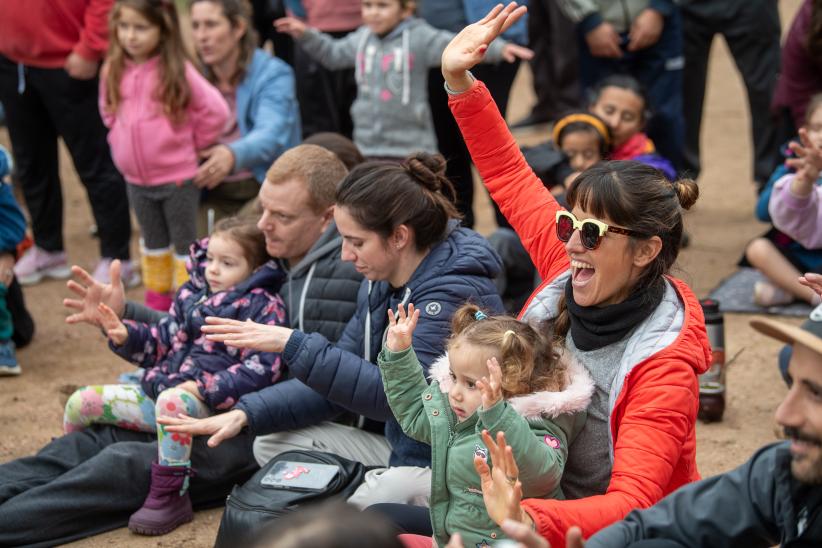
(808, 164)
(401, 328)
(491, 390)
(111, 324)
(291, 26)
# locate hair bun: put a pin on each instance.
(687, 191)
(427, 169)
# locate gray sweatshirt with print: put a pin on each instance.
(391, 113)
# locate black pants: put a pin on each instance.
(20, 317)
(556, 77)
(89, 482)
(751, 30)
(407, 519)
(498, 78)
(53, 105)
(325, 95)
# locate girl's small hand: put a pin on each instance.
(512, 52)
(191, 388)
(291, 26)
(808, 164)
(219, 161)
(111, 324)
(401, 328)
(469, 46)
(491, 390)
(501, 488)
(247, 334)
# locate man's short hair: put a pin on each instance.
(314, 166)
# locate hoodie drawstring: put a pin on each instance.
(303, 294)
(21, 78)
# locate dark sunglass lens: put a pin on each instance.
(590, 235)
(565, 227)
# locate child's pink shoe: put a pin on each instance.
(168, 505)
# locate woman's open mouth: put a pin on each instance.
(581, 272)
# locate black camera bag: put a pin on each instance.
(252, 505)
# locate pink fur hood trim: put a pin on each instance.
(575, 397)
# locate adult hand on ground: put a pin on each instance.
(6, 269)
(92, 293)
(808, 164)
(217, 165)
(111, 324)
(812, 280)
(491, 389)
(401, 328)
(79, 67)
(645, 30)
(290, 26)
(603, 41)
(191, 388)
(512, 52)
(220, 427)
(501, 488)
(247, 334)
(468, 47)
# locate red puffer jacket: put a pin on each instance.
(655, 394)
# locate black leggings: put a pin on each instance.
(408, 519)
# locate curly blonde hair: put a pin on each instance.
(528, 357)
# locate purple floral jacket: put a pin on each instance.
(174, 350)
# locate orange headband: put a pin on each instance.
(596, 123)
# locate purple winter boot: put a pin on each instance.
(167, 505)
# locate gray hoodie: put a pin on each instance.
(391, 113)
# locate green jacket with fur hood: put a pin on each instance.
(539, 427)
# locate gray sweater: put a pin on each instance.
(391, 113)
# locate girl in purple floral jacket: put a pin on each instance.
(231, 277)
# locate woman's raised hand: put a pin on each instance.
(501, 488)
(491, 389)
(111, 324)
(220, 427)
(92, 293)
(401, 327)
(468, 47)
(291, 26)
(247, 334)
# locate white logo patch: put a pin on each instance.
(433, 309)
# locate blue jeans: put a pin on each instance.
(659, 69)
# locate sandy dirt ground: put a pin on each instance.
(721, 223)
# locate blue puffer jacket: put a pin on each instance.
(12, 222)
(332, 378)
(174, 350)
(267, 114)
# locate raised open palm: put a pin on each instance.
(468, 47)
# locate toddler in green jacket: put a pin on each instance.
(499, 375)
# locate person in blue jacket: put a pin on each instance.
(259, 89)
(400, 229)
(12, 231)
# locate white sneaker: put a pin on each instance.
(37, 263)
(129, 273)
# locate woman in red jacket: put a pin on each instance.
(639, 332)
